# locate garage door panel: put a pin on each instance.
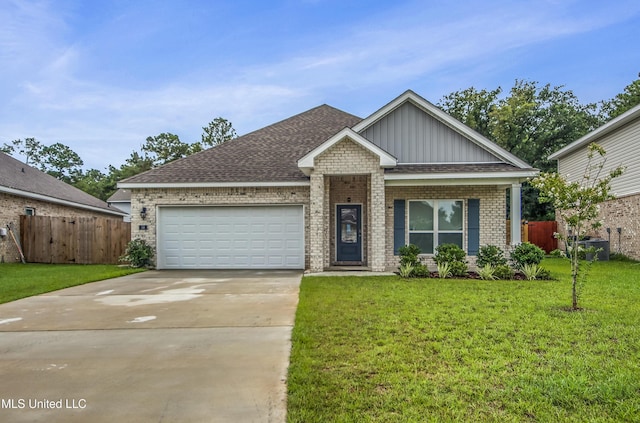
(231, 237)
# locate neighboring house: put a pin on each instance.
(620, 138)
(326, 189)
(25, 190)
(121, 199)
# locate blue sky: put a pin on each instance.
(100, 76)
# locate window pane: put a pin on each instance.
(450, 215)
(420, 215)
(450, 239)
(423, 241)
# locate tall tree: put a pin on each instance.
(216, 132)
(61, 162)
(530, 121)
(624, 101)
(30, 148)
(166, 147)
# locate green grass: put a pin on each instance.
(386, 349)
(24, 280)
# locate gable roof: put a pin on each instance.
(120, 196)
(19, 179)
(307, 162)
(445, 118)
(612, 125)
(268, 155)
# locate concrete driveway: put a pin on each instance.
(158, 346)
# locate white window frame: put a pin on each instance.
(436, 232)
(30, 211)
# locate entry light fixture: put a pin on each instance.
(143, 213)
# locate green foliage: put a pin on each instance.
(531, 271)
(138, 253)
(409, 260)
(504, 272)
(444, 270)
(216, 132)
(406, 270)
(487, 272)
(490, 254)
(25, 280)
(454, 255)
(526, 254)
(384, 349)
(578, 203)
(622, 102)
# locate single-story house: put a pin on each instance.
(620, 138)
(325, 189)
(121, 199)
(25, 190)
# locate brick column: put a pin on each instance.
(316, 224)
(377, 239)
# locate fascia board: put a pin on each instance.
(612, 125)
(308, 161)
(59, 201)
(143, 185)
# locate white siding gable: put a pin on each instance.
(622, 147)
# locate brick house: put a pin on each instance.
(326, 189)
(25, 190)
(620, 138)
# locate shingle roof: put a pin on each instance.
(20, 179)
(121, 195)
(455, 168)
(269, 154)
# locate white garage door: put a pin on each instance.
(257, 237)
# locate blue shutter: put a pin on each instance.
(398, 225)
(473, 224)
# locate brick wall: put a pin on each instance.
(346, 158)
(12, 206)
(619, 213)
(492, 214)
(151, 198)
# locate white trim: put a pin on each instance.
(307, 162)
(210, 184)
(54, 200)
(612, 125)
(335, 234)
(445, 118)
(449, 179)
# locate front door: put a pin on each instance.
(348, 236)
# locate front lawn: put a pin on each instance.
(387, 349)
(24, 280)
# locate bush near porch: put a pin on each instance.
(391, 349)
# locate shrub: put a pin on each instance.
(531, 271)
(138, 253)
(406, 270)
(487, 272)
(490, 254)
(526, 253)
(503, 272)
(444, 270)
(454, 255)
(410, 264)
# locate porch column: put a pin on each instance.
(377, 250)
(516, 213)
(316, 223)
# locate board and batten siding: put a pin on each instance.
(622, 147)
(413, 136)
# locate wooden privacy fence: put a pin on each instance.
(81, 240)
(537, 233)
